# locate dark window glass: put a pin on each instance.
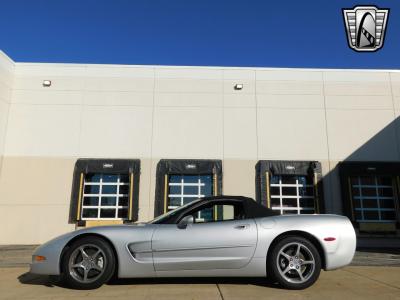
(371, 215)
(289, 191)
(370, 203)
(289, 202)
(123, 201)
(89, 213)
(109, 189)
(92, 189)
(124, 178)
(123, 213)
(92, 177)
(304, 212)
(110, 178)
(90, 201)
(191, 190)
(307, 202)
(109, 201)
(107, 213)
(369, 192)
(388, 215)
(124, 189)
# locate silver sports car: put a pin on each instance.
(210, 237)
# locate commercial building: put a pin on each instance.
(83, 145)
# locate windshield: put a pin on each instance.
(163, 217)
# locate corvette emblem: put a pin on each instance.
(365, 27)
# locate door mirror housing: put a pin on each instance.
(185, 221)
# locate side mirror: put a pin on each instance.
(185, 222)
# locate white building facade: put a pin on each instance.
(102, 144)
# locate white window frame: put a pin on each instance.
(100, 195)
(297, 185)
(379, 209)
(182, 184)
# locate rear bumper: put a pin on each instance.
(346, 248)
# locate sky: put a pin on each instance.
(262, 33)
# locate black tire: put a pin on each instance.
(102, 265)
(278, 263)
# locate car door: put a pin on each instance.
(221, 244)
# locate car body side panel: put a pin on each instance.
(214, 245)
(135, 257)
(126, 239)
(337, 253)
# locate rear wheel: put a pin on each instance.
(294, 263)
(88, 263)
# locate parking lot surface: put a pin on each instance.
(353, 282)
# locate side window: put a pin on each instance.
(218, 213)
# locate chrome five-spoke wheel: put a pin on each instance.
(88, 263)
(294, 262)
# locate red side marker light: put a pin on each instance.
(329, 239)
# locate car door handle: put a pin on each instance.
(243, 226)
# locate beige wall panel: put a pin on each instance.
(188, 86)
(119, 84)
(395, 80)
(239, 177)
(152, 194)
(239, 74)
(356, 76)
(5, 92)
(145, 190)
(291, 134)
(36, 180)
(289, 74)
(43, 130)
(361, 135)
(119, 71)
(240, 133)
(397, 127)
(331, 186)
(396, 102)
(4, 108)
(188, 99)
(359, 102)
(188, 132)
(289, 87)
(57, 83)
(116, 131)
(368, 88)
(7, 68)
(46, 96)
(118, 98)
(33, 224)
(188, 73)
(49, 69)
(291, 101)
(239, 100)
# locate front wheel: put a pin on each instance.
(88, 263)
(294, 263)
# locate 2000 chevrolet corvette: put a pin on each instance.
(216, 236)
